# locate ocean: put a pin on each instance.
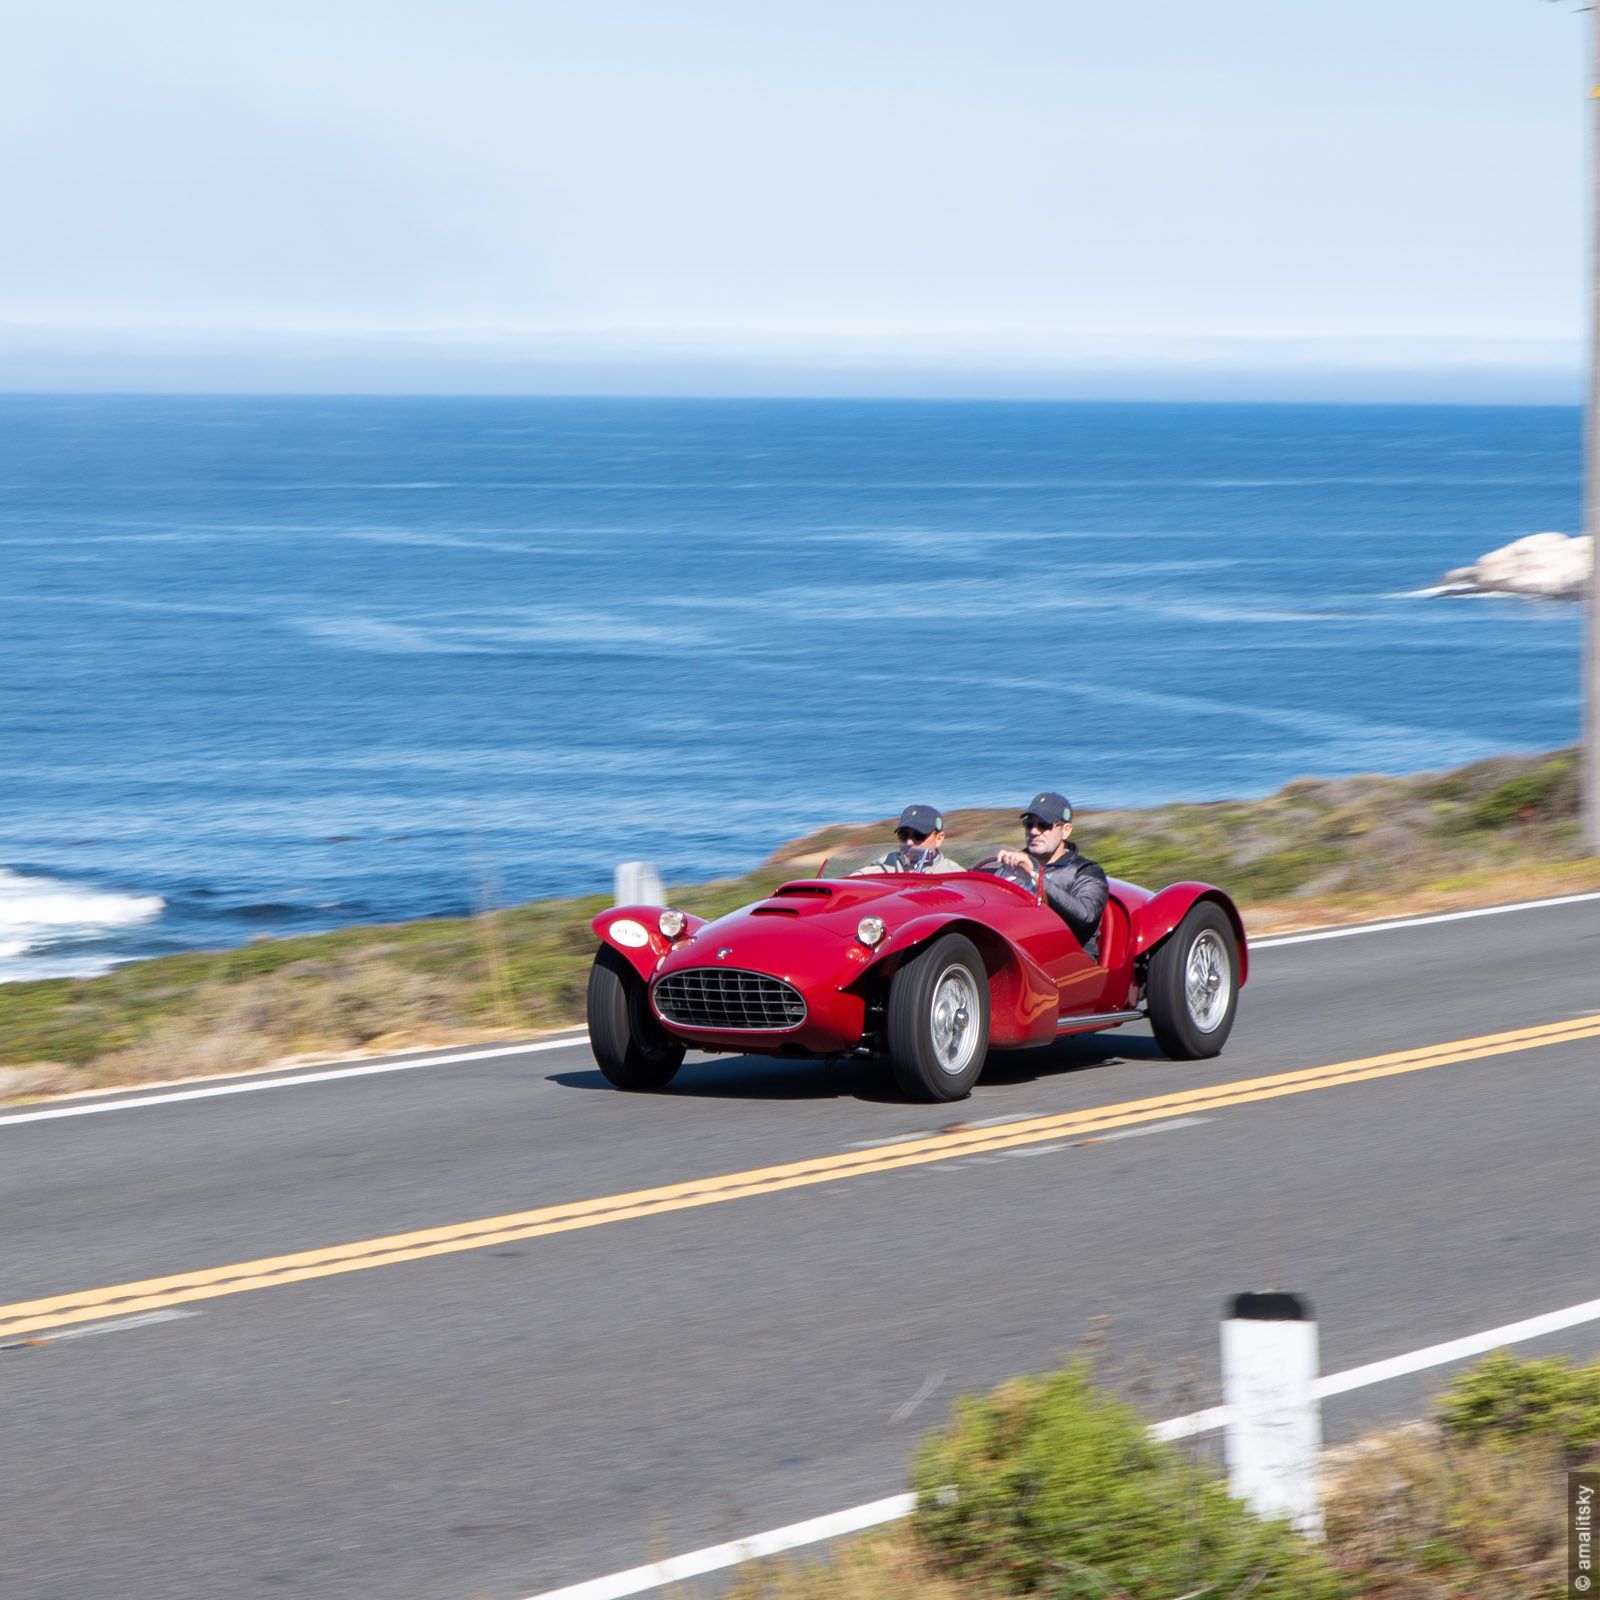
(274, 665)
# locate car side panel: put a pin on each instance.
(1113, 983)
(1024, 997)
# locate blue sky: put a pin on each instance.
(1318, 198)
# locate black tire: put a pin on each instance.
(1191, 1022)
(630, 1047)
(932, 1061)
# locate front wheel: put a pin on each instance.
(938, 1020)
(1194, 989)
(630, 1047)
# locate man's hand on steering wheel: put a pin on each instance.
(1019, 859)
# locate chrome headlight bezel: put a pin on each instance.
(870, 931)
(671, 923)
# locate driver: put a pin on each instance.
(920, 831)
(1074, 885)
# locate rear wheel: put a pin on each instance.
(630, 1047)
(938, 1020)
(1194, 990)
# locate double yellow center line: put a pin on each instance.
(124, 1299)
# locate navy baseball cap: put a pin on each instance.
(1049, 807)
(920, 819)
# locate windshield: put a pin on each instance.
(885, 859)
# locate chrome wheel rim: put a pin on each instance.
(1208, 982)
(953, 1020)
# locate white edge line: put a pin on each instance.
(717, 1556)
(333, 1075)
(253, 1085)
(1418, 922)
(1474, 1344)
(714, 1558)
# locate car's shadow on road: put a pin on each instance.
(763, 1078)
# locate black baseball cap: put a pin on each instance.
(920, 819)
(1049, 807)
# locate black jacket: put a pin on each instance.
(1076, 890)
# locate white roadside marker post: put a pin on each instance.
(637, 883)
(1274, 1429)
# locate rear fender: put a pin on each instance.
(1023, 999)
(634, 932)
(1159, 917)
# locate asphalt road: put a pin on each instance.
(495, 1420)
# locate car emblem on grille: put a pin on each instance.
(725, 952)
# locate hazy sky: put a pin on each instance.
(1015, 197)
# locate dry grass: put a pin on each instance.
(881, 1566)
(234, 1027)
(1419, 1516)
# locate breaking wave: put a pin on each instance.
(44, 917)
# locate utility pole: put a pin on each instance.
(1589, 755)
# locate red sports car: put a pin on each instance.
(928, 971)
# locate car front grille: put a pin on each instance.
(726, 998)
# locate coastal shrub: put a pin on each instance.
(1547, 792)
(1052, 1487)
(1284, 871)
(1148, 861)
(1507, 1397)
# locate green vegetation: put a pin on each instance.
(1356, 836)
(1548, 793)
(1508, 1397)
(1051, 1488)
(1315, 852)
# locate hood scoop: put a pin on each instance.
(809, 899)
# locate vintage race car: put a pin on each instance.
(929, 972)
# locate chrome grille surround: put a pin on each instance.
(728, 1000)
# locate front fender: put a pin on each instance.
(1161, 914)
(642, 954)
(1023, 999)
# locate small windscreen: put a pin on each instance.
(888, 860)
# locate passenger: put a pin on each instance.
(1074, 885)
(920, 831)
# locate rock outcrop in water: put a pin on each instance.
(1543, 566)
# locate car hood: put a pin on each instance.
(806, 930)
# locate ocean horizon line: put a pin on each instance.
(765, 397)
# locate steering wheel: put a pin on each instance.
(1000, 869)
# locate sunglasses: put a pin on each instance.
(909, 836)
(1039, 825)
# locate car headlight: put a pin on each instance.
(671, 923)
(869, 930)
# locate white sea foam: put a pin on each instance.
(36, 913)
(502, 630)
